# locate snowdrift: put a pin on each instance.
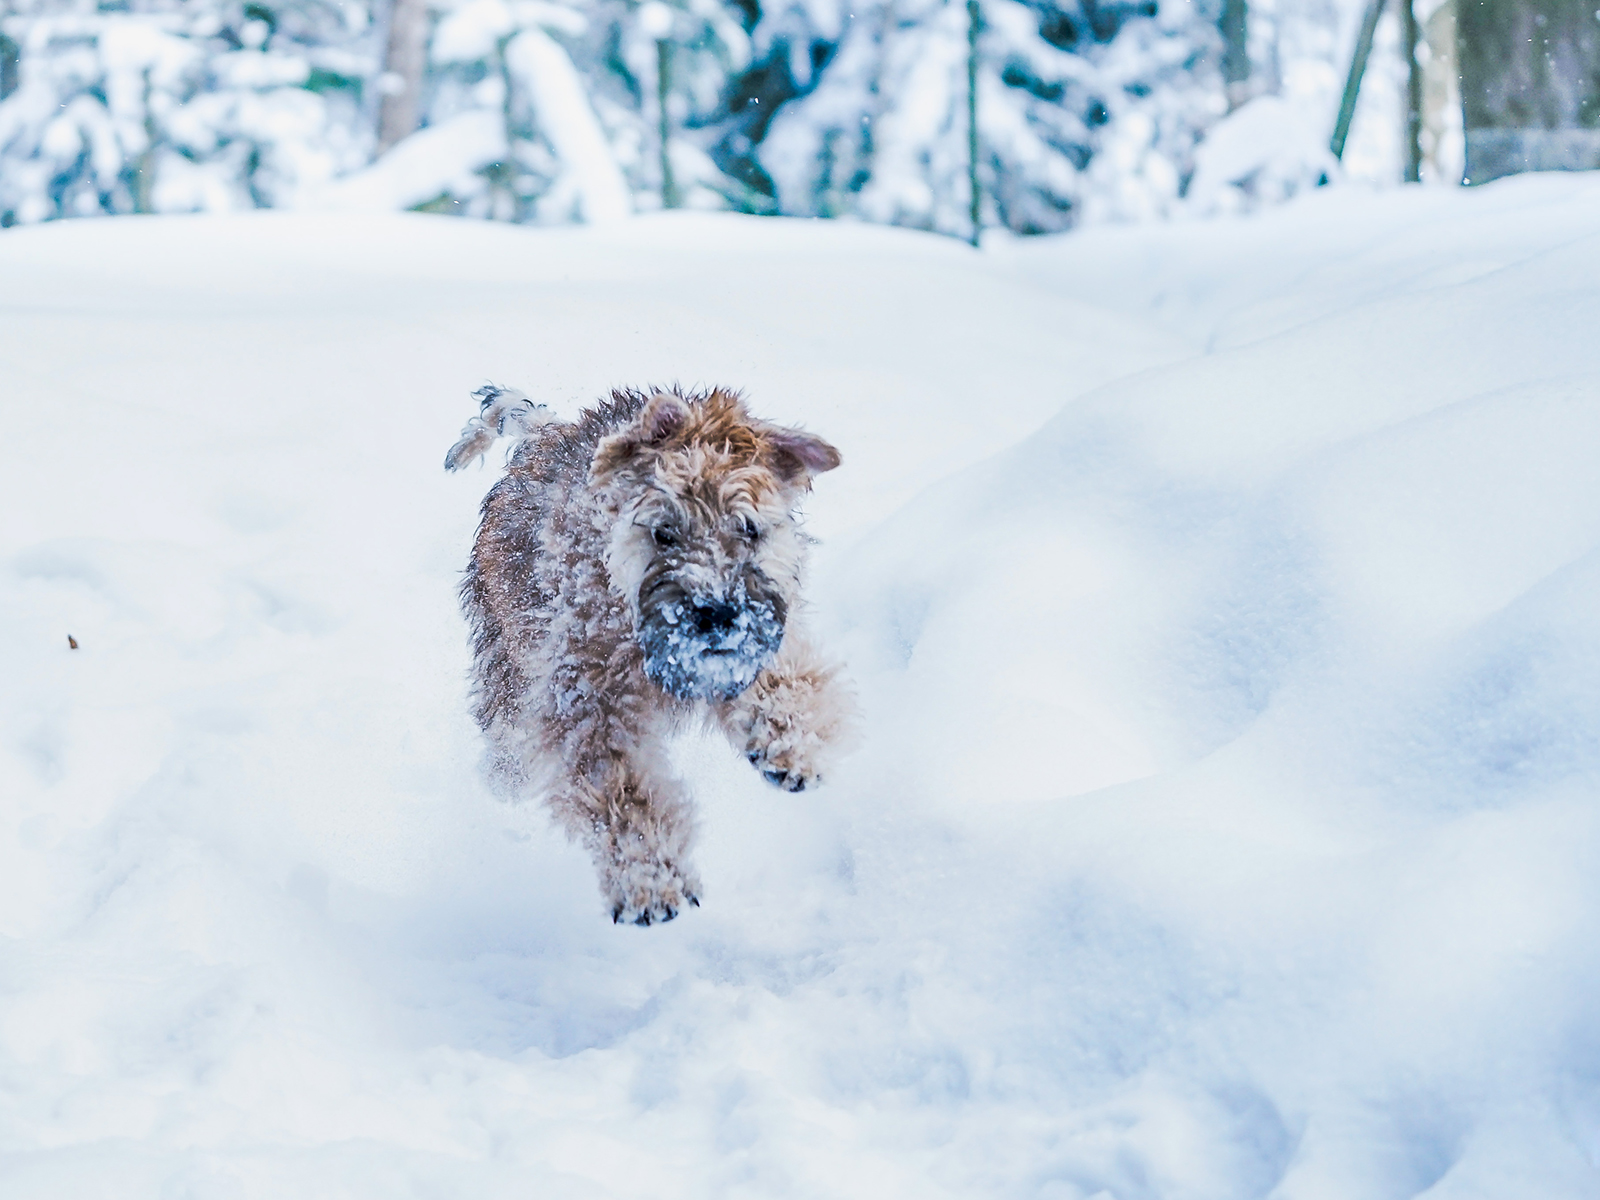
(1221, 600)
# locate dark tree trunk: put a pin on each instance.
(10, 66)
(405, 61)
(1352, 82)
(974, 27)
(669, 185)
(144, 167)
(1411, 35)
(1530, 86)
(1235, 52)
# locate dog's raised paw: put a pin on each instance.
(784, 779)
(784, 766)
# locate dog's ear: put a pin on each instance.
(662, 416)
(796, 453)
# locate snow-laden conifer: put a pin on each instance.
(1084, 110)
(169, 106)
(574, 93)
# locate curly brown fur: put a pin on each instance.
(634, 569)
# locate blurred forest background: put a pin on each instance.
(1040, 114)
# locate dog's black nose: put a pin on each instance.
(712, 617)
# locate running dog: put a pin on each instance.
(635, 569)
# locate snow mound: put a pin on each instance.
(433, 162)
(1220, 598)
(1265, 152)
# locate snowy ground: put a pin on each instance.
(1221, 598)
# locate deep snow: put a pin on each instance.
(1221, 597)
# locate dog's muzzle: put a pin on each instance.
(708, 647)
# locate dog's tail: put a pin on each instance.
(502, 412)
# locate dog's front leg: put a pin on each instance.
(637, 825)
(795, 718)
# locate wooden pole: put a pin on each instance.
(974, 26)
(1352, 83)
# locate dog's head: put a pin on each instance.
(704, 546)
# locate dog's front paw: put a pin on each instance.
(793, 723)
(786, 761)
(652, 894)
(656, 910)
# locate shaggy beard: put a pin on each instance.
(692, 657)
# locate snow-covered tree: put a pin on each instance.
(178, 105)
(1276, 144)
(1086, 108)
(559, 110)
(549, 112)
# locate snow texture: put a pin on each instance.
(1220, 596)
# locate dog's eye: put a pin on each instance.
(749, 530)
(665, 536)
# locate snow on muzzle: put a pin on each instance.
(700, 647)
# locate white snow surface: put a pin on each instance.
(1222, 601)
